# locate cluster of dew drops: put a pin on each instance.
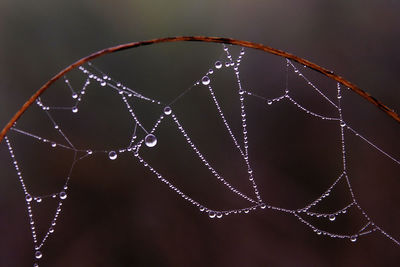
(150, 140)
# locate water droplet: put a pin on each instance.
(150, 140)
(319, 232)
(353, 238)
(56, 126)
(332, 217)
(269, 102)
(242, 52)
(241, 92)
(205, 80)
(35, 265)
(28, 198)
(38, 254)
(89, 152)
(63, 195)
(51, 230)
(167, 110)
(38, 199)
(263, 206)
(202, 208)
(211, 214)
(103, 83)
(53, 144)
(74, 109)
(112, 155)
(74, 95)
(105, 77)
(218, 64)
(210, 71)
(342, 124)
(219, 215)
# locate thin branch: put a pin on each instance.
(261, 47)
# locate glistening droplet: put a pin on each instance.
(112, 155)
(332, 217)
(211, 214)
(74, 109)
(218, 64)
(63, 195)
(353, 238)
(205, 80)
(167, 110)
(28, 198)
(150, 140)
(38, 254)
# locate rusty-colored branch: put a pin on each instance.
(262, 47)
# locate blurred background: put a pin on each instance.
(118, 214)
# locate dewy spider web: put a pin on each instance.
(143, 136)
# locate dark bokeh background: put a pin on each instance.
(117, 214)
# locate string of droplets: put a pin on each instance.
(94, 75)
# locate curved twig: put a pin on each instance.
(261, 47)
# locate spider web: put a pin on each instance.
(145, 137)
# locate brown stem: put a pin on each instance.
(262, 47)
